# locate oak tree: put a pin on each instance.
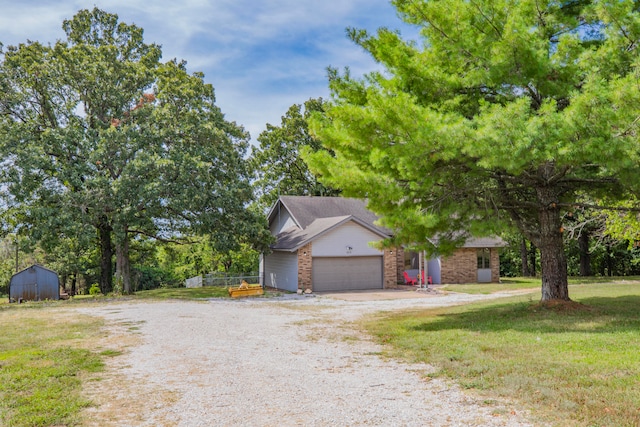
(276, 162)
(98, 127)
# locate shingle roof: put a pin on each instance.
(306, 209)
(294, 237)
(485, 242)
(478, 242)
(315, 216)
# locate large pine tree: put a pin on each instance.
(503, 111)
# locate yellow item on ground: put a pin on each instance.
(245, 290)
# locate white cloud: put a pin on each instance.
(261, 56)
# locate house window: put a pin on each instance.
(411, 260)
(484, 258)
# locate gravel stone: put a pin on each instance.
(287, 361)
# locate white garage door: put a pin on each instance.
(345, 274)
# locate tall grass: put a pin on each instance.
(571, 364)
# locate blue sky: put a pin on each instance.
(261, 56)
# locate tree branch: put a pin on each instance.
(161, 239)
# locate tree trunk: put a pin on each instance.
(227, 263)
(585, 256)
(123, 269)
(553, 261)
(106, 256)
(532, 260)
(609, 260)
(74, 281)
(524, 256)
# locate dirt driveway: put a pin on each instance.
(292, 361)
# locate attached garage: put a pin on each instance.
(326, 244)
(347, 274)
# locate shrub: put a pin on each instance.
(146, 278)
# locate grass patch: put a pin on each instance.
(42, 363)
(185, 293)
(573, 364)
(204, 292)
(522, 283)
(111, 353)
(603, 280)
(510, 284)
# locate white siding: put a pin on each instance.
(350, 239)
(281, 221)
(484, 275)
(434, 269)
(281, 271)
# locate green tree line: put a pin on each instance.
(510, 118)
(105, 146)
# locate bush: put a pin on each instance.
(95, 289)
(146, 278)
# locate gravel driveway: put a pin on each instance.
(272, 362)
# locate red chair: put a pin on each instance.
(429, 280)
(408, 280)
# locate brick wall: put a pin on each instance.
(399, 265)
(462, 266)
(390, 269)
(495, 265)
(305, 265)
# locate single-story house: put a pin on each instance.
(324, 244)
(477, 261)
(34, 283)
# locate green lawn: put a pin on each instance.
(163, 293)
(185, 293)
(42, 362)
(193, 293)
(517, 283)
(572, 365)
(509, 284)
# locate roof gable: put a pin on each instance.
(34, 268)
(306, 209)
(315, 216)
(294, 238)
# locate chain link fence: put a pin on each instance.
(224, 279)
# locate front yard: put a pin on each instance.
(575, 364)
(45, 355)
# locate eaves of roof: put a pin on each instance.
(35, 266)
(485, 242)
(294, 238)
